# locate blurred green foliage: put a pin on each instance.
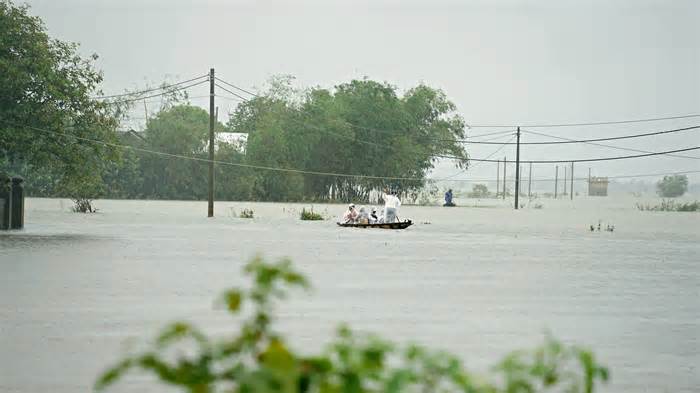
(257, 359)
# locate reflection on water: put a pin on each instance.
(478, 282)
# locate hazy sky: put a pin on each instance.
(512, 62)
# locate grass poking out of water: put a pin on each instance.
(671, 206)
(310, 215)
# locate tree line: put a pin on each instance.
(50, 122)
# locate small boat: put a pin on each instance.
(393, 225)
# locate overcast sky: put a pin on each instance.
(501, 62)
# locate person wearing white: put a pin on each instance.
(391, 206)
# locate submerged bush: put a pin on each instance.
(310, 215)
(257, 358)
(83, 205)
(671, 206)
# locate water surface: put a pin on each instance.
(478, 281)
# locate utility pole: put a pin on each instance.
(504, 178)
(529, 182)
(517, 169)
(498, 174)
(589, 181)
(564, 193)
(556, 180)
(520, 183)
(572, 181)
(212, 120)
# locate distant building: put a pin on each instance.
(597, 186)
(237, 139)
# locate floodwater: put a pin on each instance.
(478, 281)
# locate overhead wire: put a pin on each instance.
(480, 162)
(597, 123)
(156, 95)
(230, 92)
(567, 140)
(292, 170)
(162, 87)
(235, 87)
(583, 159)
(358, 126)
(645, 154)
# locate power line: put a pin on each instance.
(599, 123)
(393, 132)
(162, 87)
(262, 167)
(481, 162)
(157, 95)
(609, 146)
(584, 159)
(570, 141)
(292, 170)
(230, 92)
(236, 87)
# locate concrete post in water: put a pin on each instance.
(589, 181)
(210, 210)
(556, 181)
(498, 174)
(529, 182)
(564, 193)
(17, 208)
(5, 201)
(504, 178)
(572, 180)
(517, 169)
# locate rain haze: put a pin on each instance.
(359, 147)
(501, 62)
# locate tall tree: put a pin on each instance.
(46, 85)
(361, 128)
(672, 186)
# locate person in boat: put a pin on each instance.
(448, 198)
(391, 206)
(363, 216)
(350, 215)
(373, 217)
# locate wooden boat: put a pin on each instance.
(393, 225)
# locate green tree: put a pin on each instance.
(46, 85)
(362, 128)
(672, 186)
(177, 132)
(479, 191)
(257, 359)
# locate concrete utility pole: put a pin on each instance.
(498, 174)
(556, 181)
(517, 169)
(529, 182)
(572, 181)
(564, 193)
(589, 181)
(212, 120)
(504, 178)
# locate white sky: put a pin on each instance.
(499, 61)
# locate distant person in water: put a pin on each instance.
(448, 198)
(350, 215)
(391, 206)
